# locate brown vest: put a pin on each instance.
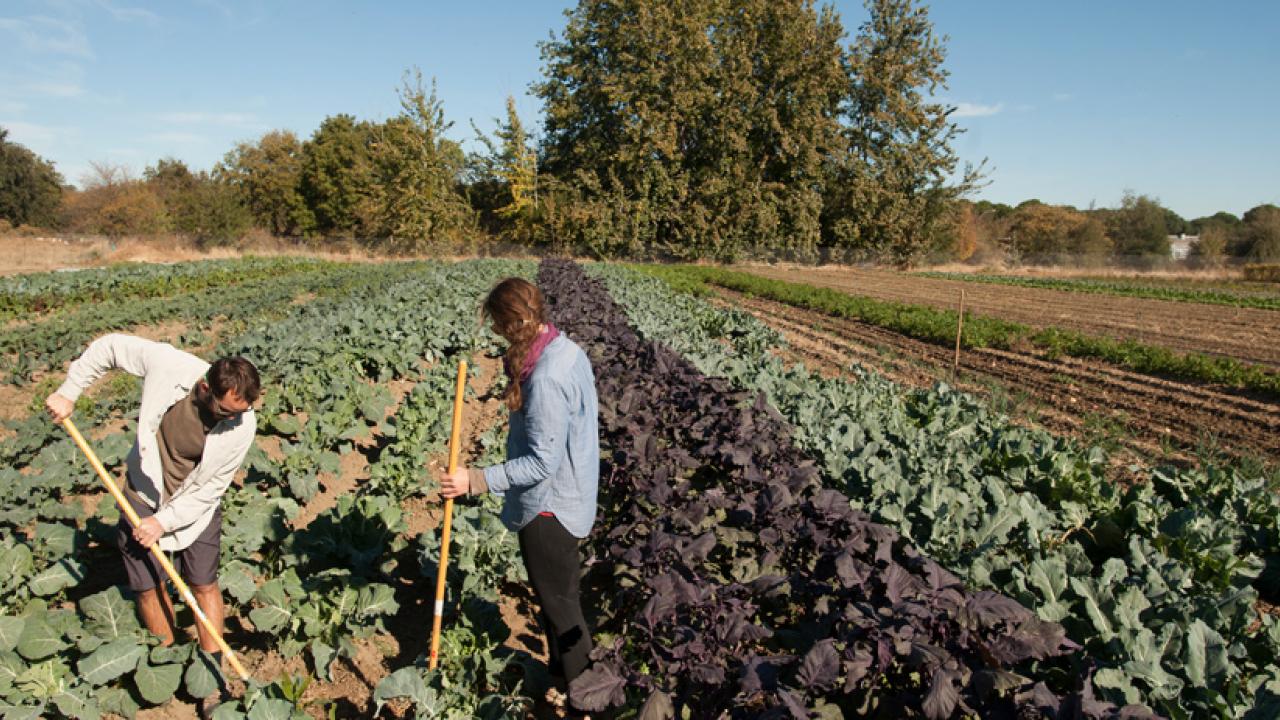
(183, 430)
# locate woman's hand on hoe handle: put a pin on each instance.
(455, 484)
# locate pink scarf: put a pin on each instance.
(540, 343)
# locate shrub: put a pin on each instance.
(1263, 272)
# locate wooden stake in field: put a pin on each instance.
(955, 364)
(454, 441)
(163, 559)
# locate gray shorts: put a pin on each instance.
(197, 563)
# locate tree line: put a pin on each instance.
(697, 129)
(1137, 232)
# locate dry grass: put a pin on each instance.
(28, 251)
(1091, 272)
(30, 254)
(36, 254)
(1218, 274)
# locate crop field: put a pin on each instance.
(1243, 333)
(1231, 293)
(1110, 387)
(795, 519)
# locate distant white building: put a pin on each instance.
(1180, 245)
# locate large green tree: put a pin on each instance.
(504, 178)
(1261, 233)
(518, 167)
(416, 202)
(1139, 229)
(1224, 219)
(1209, 250)
(1175, 223)
(116, 204)
(30, 188)
(198, 205)
(891, 187)
(1056, 234)
(267, 176)
(337, 175)
(170, 178)
(694, 128)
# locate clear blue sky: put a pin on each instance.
(1070, 102)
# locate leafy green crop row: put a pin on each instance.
(939, 326)
(67, 647)
(1156, 581)
(329, 364)
(316, 590)
(1183, 291)
(57, 291)
(43, 345)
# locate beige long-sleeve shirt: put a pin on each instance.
(168, 374)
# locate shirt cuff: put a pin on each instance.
(495, 479)
(165, 516)
(475, 477)
(69, 390)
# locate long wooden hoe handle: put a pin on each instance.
(454, 441)
(155, 548)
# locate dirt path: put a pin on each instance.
(409, 630)
(481, 412)
(353, 468)
(1242, 333)
(1157, 418)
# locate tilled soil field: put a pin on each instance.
(1156, 417)
(1242, 333)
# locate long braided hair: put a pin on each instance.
(517, 310)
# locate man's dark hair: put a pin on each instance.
(234, 373)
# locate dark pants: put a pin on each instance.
(551, 558)
(197, 563)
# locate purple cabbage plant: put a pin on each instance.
(727, 582)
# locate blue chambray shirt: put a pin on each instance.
(553, 447)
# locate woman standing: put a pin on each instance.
(549, 481)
